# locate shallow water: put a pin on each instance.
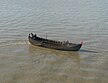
(86, 20)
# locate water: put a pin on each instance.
(72, 20)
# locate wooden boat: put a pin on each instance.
(58, 45)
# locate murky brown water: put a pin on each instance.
(86, 20)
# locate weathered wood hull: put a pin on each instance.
(74, 47)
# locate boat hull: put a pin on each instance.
(75, 47)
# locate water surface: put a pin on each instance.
(71, 20)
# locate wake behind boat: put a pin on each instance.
(58, 45)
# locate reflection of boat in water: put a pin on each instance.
(43, 52)
(58, 45)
